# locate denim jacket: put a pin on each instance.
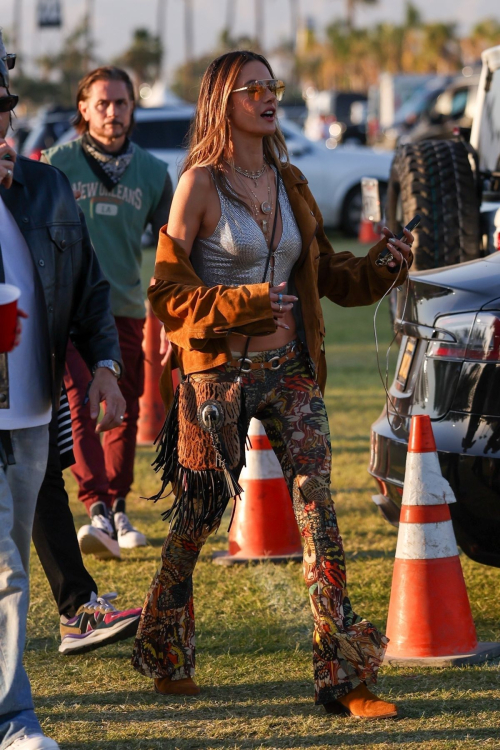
(75, 293)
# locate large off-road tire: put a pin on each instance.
(435, 180)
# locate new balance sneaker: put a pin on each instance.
(99, 537)
(34, 742)
(96, 624)
(128, 536)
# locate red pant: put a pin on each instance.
(105, 471)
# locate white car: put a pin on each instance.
(334, 176)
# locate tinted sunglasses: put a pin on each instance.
(256, 90)
(10, 60)
(7, 103)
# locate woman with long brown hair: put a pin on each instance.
(238, 281)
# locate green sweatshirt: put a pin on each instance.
(116, 219)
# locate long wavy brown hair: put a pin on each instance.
(210, 131)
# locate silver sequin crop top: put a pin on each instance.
(236, 253)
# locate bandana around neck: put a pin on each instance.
(109, 168)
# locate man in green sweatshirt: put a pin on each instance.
(121, 188)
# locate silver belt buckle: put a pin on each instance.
(278, 363)
(243, 360)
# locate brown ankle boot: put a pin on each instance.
(186, 686)
(362, 704)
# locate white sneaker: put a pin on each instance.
(98, 538)
(128, 536)
(33, 742)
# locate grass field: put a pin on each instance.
(254, 623)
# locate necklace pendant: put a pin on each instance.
(264, 226)
(266, 207)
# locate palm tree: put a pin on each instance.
(143, 57)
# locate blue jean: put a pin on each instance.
(19, 487)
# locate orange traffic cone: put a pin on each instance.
(367, 234)
(151, 410)
(264, 526)
(429, 621)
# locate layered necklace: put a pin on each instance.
(251, 175)
(258, 207)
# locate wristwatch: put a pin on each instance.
(111, 364)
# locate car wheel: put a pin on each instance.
(435, 180)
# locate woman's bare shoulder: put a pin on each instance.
(195, 178)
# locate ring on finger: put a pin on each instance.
(9, 173)
(280, 307)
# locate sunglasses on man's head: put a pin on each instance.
(256, 90)
(10, 60)
(7, 103)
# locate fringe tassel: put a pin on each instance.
(201, 497)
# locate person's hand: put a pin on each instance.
(77, 194)
(6, 165)
(399, 249)
(165, 347)
(105, 388)
(19, 327)
(281, 303)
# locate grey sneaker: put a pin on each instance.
(99, 537)
(128, 536)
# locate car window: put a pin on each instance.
(459, 102)
(162, 134)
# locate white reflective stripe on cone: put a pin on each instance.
(261, 465)
(424, 483)
(426, 541)
(256, 427)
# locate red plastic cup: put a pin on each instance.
(9, 294)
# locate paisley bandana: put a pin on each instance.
(110, 168)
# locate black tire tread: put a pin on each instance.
(435, 180)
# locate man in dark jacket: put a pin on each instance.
(46, 252)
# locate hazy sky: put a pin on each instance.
(115, 20)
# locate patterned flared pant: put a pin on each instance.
(347, 650)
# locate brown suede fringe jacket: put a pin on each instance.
(198, 318)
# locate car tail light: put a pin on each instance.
(36, 154)
(477, 337)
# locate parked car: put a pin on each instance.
(449, 368)
(450, 108)
(47, 129)
(334, 176)
(386, 98)
(435, 110)
(336, 117)
(412, 111)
